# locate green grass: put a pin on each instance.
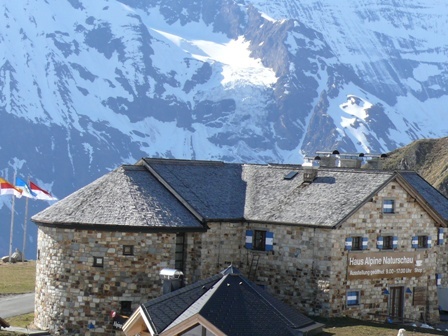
(352, 327)
(22, 321)
(17, 278)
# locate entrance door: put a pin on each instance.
(396, 302)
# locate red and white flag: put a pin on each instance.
(7, 188)
(40, 193)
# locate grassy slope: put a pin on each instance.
(428, 157)
(17, 278)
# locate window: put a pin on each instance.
(388, 206)
(421, 241)
(126, 308)
(356, 243)
(441, 236)
(259, 240)
(98, 261)
(128, 250)
(197, 329)
(352, 298)
(387, 242)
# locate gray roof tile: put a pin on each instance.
(141, 195)
(324, 202)
(231, 303)
(434, 198)
(128, 196)
(212, 188)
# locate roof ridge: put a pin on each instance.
(184, 162)
(186, 289)
(207, 292)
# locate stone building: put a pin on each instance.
(328, 240)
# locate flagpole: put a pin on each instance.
(24, 228)
(12, 222)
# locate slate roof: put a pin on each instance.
(434, 198)
(260, 192)
(231, 303)
(128, 197)
(157, 194)
(324, 202)
(215, 189)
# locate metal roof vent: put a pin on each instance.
(172, 279)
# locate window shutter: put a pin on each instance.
(269, 242)
(438, 279)
(388, 206)
(429, 242)
(395, 242)
(348, 243)
(414, 242)
(379, 243)
(441, 236)
(365, 243)
(352, 298)
(249, 239)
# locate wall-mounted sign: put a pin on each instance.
(393, 264)
(118, 320)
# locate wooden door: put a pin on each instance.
(396, 302)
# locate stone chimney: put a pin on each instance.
(310, 168)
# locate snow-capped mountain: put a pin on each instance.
(89, 85)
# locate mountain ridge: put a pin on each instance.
(428, 157)
(87, 86)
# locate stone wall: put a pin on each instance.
(75, 298)
(297, 271)
(306, 269)
(308, 266)
(408, 220)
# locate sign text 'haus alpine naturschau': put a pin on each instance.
(384, 265)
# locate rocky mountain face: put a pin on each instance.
(86, 86)
(428, 157)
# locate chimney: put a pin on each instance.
(329, 159)
(351, 160)
(335, 160)
(375, 162)
(310, 169)
(172, 279)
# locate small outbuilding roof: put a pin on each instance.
(229, 302)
